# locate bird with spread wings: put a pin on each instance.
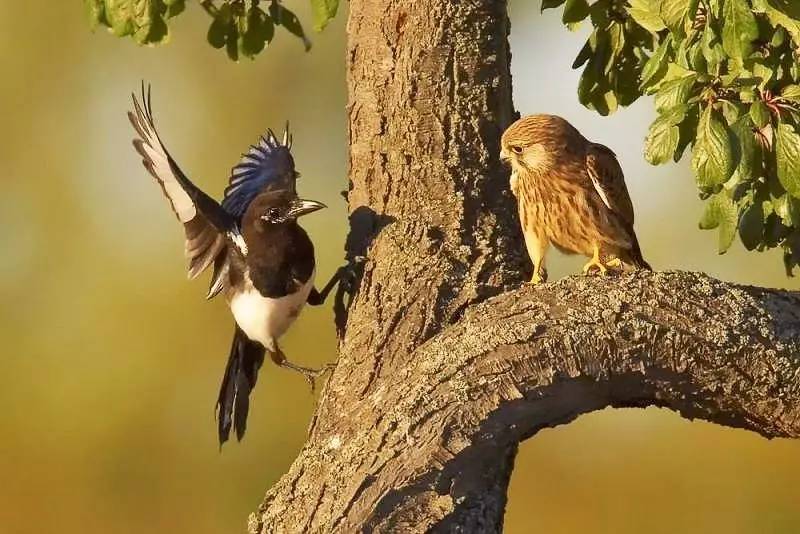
(263, 261)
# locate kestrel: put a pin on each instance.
(571, 193)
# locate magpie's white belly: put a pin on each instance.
(265, 319)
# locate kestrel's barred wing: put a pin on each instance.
(205, 222)
(608, 180)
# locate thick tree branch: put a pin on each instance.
(431, 448)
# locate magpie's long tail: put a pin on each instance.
(240, 377)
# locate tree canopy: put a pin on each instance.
(724, 75)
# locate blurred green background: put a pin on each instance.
(112, 360)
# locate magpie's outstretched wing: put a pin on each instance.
(268, 165)
(205, 222)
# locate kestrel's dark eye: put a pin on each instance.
(274, 213)
(517, 149)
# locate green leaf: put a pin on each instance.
(774, 231)
(674, 72)
(696, 59)
(232, 41)
(120, 15)
(142, 19)
(664, 135)
(286, 18)
(791, 252)
(257, 34)
(713, 158)
(175, 7)
(674, 92)
(156, 32)
(688, 131)
(787, 155)
(95, 11)
(714, 8)
(656, 66)
(584, 55)
(647, 14)
(790, 8)
(781, 13)
(731, 111)
(616, 41)
(720, 212)
(712, 49)
(778, 38)
(751, 226)
(750, 154)
(747, 95)
(788, 209)
(759, 113)
(764, 72)
(324, 11)
(550, 4)
(673, 13)
(575, 11)
(791, 93)
(739, 29)
(217, 33)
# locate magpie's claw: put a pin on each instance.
(309, 374)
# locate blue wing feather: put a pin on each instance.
(267, 165)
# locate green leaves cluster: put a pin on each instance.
(243, 28)
(725, 75)
(144, 20)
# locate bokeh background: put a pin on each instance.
(111, 360)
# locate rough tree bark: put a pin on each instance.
(444, 366)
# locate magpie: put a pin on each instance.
(263, 261)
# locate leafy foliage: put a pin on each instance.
(725, 75)
(244, 28)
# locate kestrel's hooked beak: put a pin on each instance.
(303, 207)
(505, 155)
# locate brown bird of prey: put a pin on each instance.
(571, 193)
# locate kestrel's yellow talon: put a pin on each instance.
(615, 263)
(594, 263)
(536, 279)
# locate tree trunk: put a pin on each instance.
(444, 368)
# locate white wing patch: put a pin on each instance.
(238, 240)
(157, 161)
(181, 203)
(599, 189)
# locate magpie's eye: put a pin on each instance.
(516, 149)
(273, 213)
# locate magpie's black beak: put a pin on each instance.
(304, 207)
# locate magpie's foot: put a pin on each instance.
(349, 274)
(310, 375)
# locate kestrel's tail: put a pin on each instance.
(635, 256)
